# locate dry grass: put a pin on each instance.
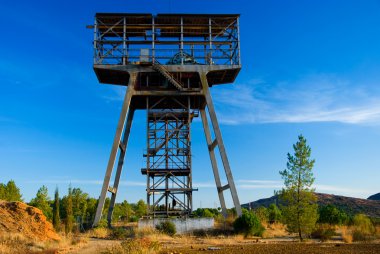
(18, 243)
(346, 233)
(378, 231)
(275, 230)
(135, 246)
(101, 233)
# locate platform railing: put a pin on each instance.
(119, 56)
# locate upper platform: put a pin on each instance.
(181, 43)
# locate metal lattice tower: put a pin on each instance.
(169, 185)
(168, 62)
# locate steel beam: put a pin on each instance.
(114, 149)
(218, 137)
(123, 150)
(214, 164)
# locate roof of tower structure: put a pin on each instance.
(131, 42)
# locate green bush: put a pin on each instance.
(262, 213)
(133, 218)
(363, 228)
(103, 223)
(121, 233)
(274, 213)
(332, 215)
(167, 227)
(248, 224)
(323, 232)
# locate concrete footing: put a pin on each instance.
(185, 225)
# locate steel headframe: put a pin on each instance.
(172, 93)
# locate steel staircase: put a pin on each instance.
(164, 72)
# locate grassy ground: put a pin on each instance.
(129, 239)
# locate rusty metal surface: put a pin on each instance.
(172, 95)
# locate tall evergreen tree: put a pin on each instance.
(69, 213)
(300, 211)
(42, 202)
(10, 192)
(56, 218)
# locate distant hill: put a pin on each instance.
(350, 205)
(374, 197)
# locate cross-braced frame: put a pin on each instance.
(168, 62)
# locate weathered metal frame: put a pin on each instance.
(115, 35)
(219, 46)
(168, 137)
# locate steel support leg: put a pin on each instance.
(123, 151)
(213, 162)
(219, 142)
(115, 147)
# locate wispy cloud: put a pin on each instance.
(342, 190)
(315, 98)
(323, 188)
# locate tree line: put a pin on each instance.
(74, 211)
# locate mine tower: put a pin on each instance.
(168, 63)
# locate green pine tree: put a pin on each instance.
(69, 213)
(300, 211)
(42, 202)
(56, 218)
(10, 192)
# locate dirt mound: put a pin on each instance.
(19, 218)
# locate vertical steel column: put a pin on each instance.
(124, 40)
(123, 150)
(238, 41)
(148, 159)
(153, 39)
(219, 142)
(95, 41)
(115, 147)
(210, 39)
(182, 55)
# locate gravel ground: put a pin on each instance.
(283, 248)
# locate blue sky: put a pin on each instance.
(309, 67)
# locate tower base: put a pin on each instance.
(182, 225)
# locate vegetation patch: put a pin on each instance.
(248, 224)
(167, 227)
(135, 246)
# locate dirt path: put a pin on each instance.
(93, 245)
(268, 247)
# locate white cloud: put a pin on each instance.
(343, 190)
(260, 181)
(315, 98)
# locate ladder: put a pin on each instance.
(164, 72)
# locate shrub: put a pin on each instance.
(166, 227)
(274, 213)
(262, 213)
(103, 223)
(134, 246)
(133, 218)
(332, 215)
(248, 224)
(121, 233)
(323, 232)
(363, 228)
(99, 233)
(207, 213)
